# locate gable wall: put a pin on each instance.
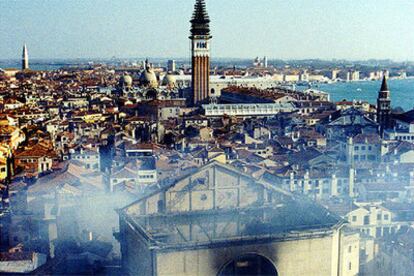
(214, 187)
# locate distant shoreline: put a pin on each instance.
(401, 91)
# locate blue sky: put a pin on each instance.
(352, 29)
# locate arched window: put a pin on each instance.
(249, 264)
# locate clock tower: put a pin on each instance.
(200, 52)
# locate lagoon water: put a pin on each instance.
(38, 64)
(402, 91)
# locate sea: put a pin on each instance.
(44, 65)
(402, 90)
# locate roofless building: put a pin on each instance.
(219, 221)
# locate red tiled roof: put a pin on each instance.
(36, 151)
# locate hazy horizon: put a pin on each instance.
(294, 30)
(18, 59)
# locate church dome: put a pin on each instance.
(126, 81)
(149, 78)
(169, 80)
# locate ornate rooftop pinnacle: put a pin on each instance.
(200, 22)
(384, 85)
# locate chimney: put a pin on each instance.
(351, 182)
(334, 189)
(292, 182)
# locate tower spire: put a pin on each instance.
(384, 107)
(384, 85)
(25, 58)
(200, 22)
(200, 53)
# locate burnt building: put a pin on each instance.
(219, 221)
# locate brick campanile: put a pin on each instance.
(200, 52)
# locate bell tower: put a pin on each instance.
(25, 58)
(384, 107)
(200, 52)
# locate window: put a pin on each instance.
(350, 249)
(366, 220)
(386, 217)
(350, 266)
(371, 157)
(202, 45)
(363, 148)
(354, 218)
(356, 148)
(161, 207)
(379, 217)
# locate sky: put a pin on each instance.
(289, 29)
